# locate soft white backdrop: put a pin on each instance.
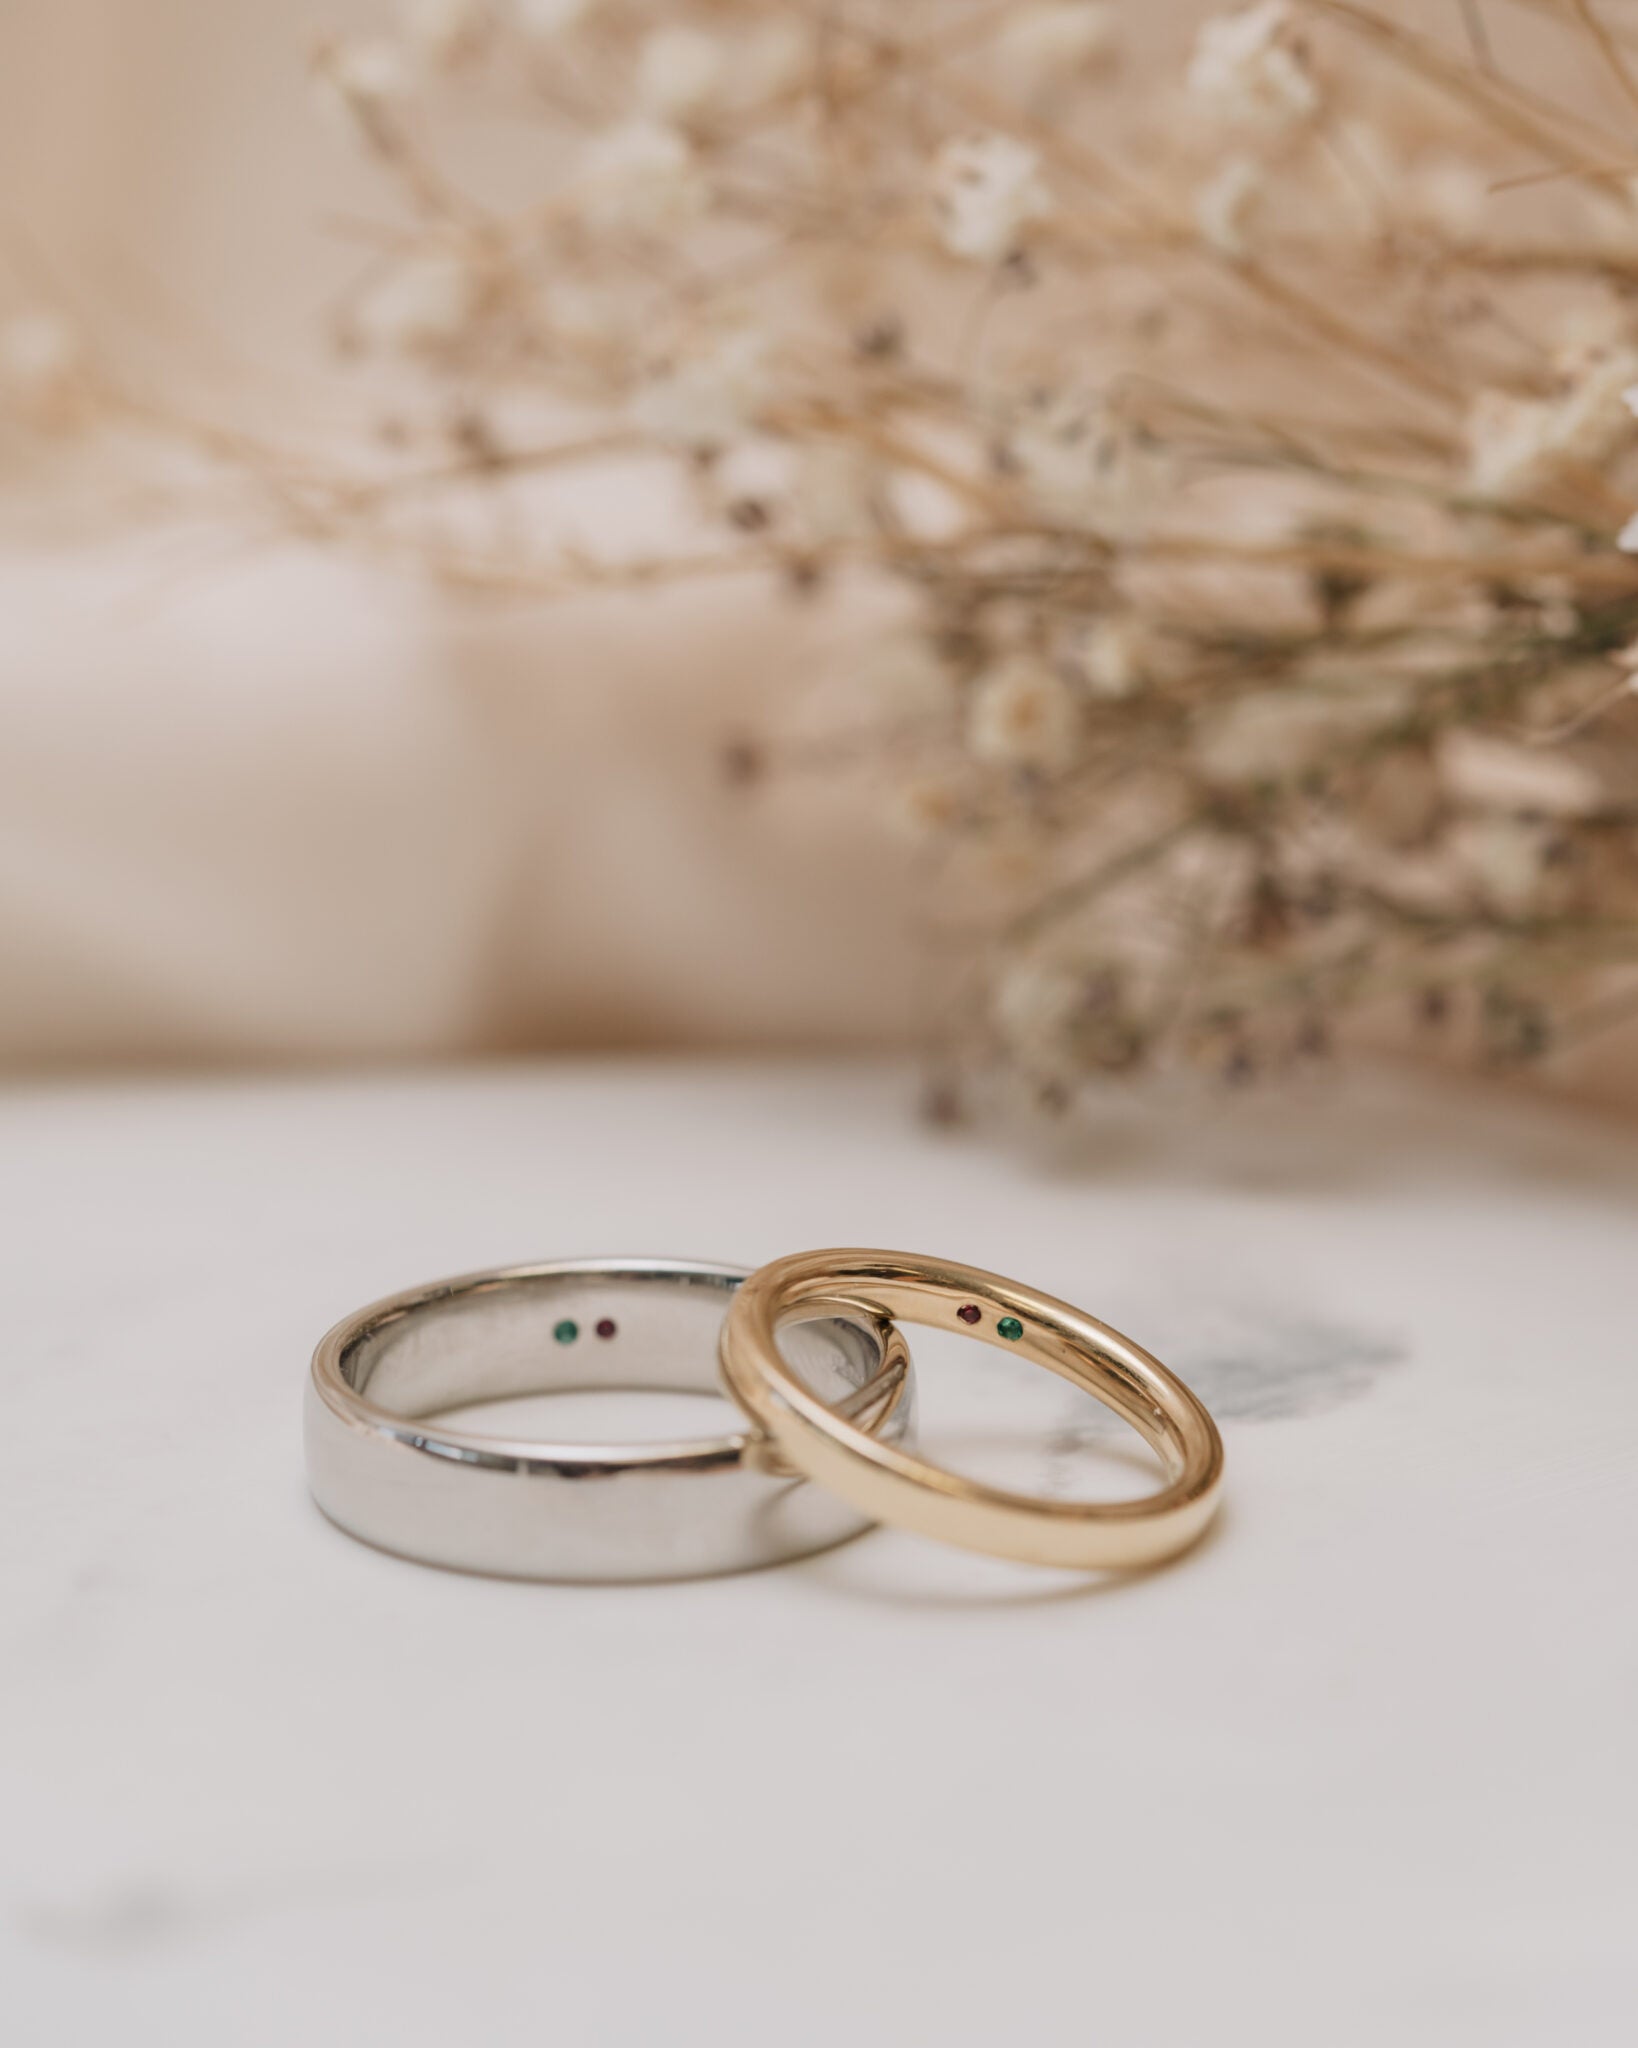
(296, 809)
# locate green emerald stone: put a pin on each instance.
(1010, 1328)
(566, 1331)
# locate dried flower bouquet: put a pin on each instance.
(1250, 439)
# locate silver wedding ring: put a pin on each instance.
(382, 1466)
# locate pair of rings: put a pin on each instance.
(810, 1349)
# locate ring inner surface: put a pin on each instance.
(1081, 1359)
(621, 1328)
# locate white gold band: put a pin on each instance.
(385, 1472)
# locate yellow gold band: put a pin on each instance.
(891, 1485)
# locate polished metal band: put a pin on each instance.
(386, 1472)
(890, 1484)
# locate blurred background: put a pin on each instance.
(258, 802)
(269, 800)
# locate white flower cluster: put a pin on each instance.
(709, 399)
(1514, 803)
(1250, 68)
(1505, 775)
(1515, 442)
(1023, 714)
(1225, 205)
(986, 190)
(1227, 586)
(1083, 464)
(1033, 1007)
(1115, 657)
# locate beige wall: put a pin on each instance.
(255, 802)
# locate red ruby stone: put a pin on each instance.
(607, 1327)
(969, 1312)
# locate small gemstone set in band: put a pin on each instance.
(568, 1331)
(810, 1350)
(1006, 1326)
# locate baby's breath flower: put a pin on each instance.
(1113, 656)
(1024, 715)
(1032, 1003)
(1250, 67)
(1505, 859)
(1085, 465)
(1513, 442)
(1502, 775)
(707, 400)
(1507, 440)
(1590, 421)
(986, 190)
(1223, 206)
(1063, 1018)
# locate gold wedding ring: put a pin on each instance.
(890, 1484)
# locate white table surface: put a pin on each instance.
(1360, 1770)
